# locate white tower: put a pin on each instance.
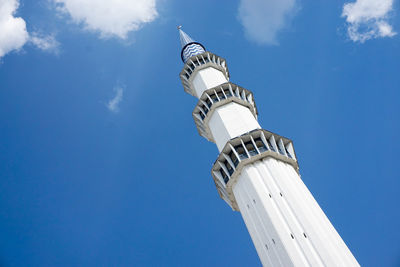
(256, 171)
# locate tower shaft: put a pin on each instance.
(257, 172)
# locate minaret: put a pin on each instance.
(257, 172)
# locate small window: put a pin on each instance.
(202, 115)
(281, 194)
(227, 93)
(221, 95)
(270, 195)
(279, 148)
(228, 167)
(260, 145)
(305, 235)
(270, 145)
(233, 158)
(242, 153)
(204, 109)
(292, 236)
(241, 95)
(224, 176)
(214, 98)
(287, 152)
(208, 102)
(250, 147)
(254, 201)
(273, 241)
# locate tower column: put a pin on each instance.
(257, 172)
(207, 78)
(229, 121)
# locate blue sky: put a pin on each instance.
(100, 160)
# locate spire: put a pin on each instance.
(185, 39)
(189, 46)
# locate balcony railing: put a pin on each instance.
(258, 144)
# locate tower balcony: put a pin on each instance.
(246, 149)
(206, 64)
(218, 96)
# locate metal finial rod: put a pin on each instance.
(179, 27)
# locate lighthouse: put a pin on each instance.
(256, 172)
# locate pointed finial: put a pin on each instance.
(189, 46)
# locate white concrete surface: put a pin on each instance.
(229, 121)
(286, 224)
(207, 78)
(276, 205)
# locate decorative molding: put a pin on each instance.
(244, 150)
(199, 62)
(218, 96)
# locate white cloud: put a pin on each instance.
(263, 19)
(368, 19)
(45, 42)
(13, 34)
(108, 17)
(111, 18)
(113, 104)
